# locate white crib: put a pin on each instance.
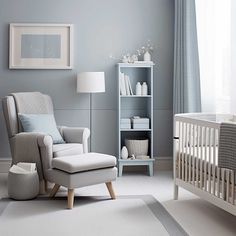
(196, 138)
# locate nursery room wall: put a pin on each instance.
(101, 28)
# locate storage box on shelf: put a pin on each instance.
(125, 123)
(131, 105)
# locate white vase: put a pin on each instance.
(124, 152)
(144, 89)
(147, 56)
(138, 89)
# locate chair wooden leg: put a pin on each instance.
(54, 190)
(110, 189)
(70, 198)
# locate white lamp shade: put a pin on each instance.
(91, 82)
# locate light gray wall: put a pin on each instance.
(101, 27)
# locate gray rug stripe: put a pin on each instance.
(170, 224)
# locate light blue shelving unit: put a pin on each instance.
(133, 105)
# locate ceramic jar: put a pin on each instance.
(124, 152)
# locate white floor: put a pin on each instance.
(196, 216)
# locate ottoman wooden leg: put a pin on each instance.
(70, 198)
(54, 190)
(110, 189)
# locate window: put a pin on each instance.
(215, 34)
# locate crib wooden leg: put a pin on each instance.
(176, 192)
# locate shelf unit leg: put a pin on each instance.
(150, 168)
(120, 169)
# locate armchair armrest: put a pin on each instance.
(30, 147)
(76, 135)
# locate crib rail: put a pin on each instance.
(196, 159)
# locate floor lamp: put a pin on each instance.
(91, 82)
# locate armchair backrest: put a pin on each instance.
(10, 113)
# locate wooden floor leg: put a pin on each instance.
(110, 189)
(70, 198)
(54, 190)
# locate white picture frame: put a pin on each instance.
(40, 46)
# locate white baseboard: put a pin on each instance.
(5, 164)
(161, 163)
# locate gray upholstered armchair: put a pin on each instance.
(39, 147)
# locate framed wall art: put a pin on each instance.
(40, 46)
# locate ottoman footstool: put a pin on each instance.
(82, 170)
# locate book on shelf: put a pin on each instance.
(122, 84)
(130, 88)
(127, 85)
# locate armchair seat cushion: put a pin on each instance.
(67, 149)
(83, 162)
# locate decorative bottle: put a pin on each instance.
(147, 56)
(144, 89)
(138, 89)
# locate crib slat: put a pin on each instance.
(201, 169)
(194, 156)
(232, 187)
(190, 153)
(186, 154)
(214, 160)
(223, 183)
(197, 159)
(205, 160)
(218, 182)
(227, 185)
(209, 160)
(182, 156)
(180, 151)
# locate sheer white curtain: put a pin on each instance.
(216, 40)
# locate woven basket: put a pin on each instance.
(137, 147)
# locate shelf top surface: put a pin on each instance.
(136, 160)
(139, 65)
(135, 96)
(135, 130)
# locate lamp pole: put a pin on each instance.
(90, 121)
(91, 82)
